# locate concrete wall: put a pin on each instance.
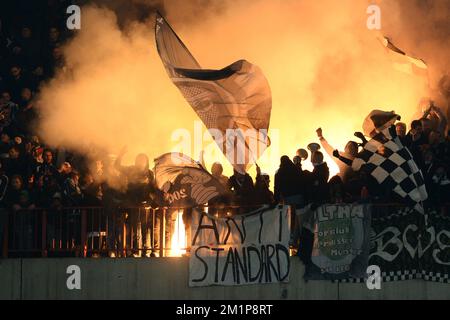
(167, 278)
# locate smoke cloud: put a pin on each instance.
(325, 68)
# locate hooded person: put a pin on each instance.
(290, 190)
(289, 186)
(263, 195)
(319, 178)
(241, 185)
(377, 121)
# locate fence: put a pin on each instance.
(102, 231)
(97, 231)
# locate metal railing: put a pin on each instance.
(87, 232)
(97, 231)
(104, 231)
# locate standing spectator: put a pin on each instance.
(26, 113)
(241, 185)
(17, 197)
(289, 186)
(91, 191)
(290, 190)
(400, 129)
(350, 152)
(415, 134)
(139, 177)
(36, 160)
(29, 45)
(8, 110)
(15, 164)
(37, 76)
(19, 201)
(217, 172)
(64, 172)
(17, 81)
(113, 196)
(47, 170)
(263, 195)
(4, 183)
(320, 177)
(140, 184)
(434, 119)
(337, 190)
(5, 144)
(73, 198)
(72, 190)
(300, 155)
(439, 185)
(414, 140)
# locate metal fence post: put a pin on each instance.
(83, 233)
(124, 234)
(162, 233)
(44, 234)
(6, 234)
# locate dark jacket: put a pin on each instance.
(319, 183)
(242, 188)
(289, 181)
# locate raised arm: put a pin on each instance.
(343, 159)
(324, 143)
(118, 163)
(361, 136)
(442, 119)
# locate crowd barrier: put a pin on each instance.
(102, 231)
(98, 231)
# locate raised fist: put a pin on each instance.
(319, 132)
(336, 153)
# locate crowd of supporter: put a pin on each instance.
(426, 139)
(34, 175)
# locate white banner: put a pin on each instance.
(240, 250)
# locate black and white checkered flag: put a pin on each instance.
(393, 166)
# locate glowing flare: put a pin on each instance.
(178, 240)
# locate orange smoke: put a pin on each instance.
(325, 68)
